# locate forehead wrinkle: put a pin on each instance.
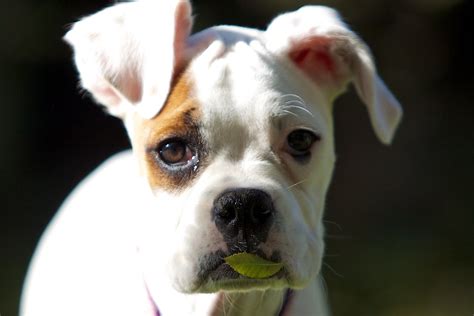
(288, 114)
(244, 93)
(231, 96)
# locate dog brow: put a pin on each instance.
(291, 108)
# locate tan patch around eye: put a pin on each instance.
(179, 118)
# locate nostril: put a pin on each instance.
(225, 209)
(260, 214)
(226, 213)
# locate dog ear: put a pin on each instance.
(126, 54)
(317, 42)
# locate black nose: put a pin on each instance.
(243, 216)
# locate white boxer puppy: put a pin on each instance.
(233, 152)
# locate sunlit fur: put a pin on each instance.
(131, 237)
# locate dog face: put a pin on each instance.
(238, 137)
(232, 130)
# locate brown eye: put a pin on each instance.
(300, 142)
(175, 152)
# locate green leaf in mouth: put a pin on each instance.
(253, 266)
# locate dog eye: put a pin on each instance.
(300, 142)
(175, 153)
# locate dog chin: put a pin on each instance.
(223, 278)
(215, 275)
(242, 284)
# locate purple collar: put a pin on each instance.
(286, 302)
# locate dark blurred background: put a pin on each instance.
(400, 219)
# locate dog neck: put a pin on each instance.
(270, 302)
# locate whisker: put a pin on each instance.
(228, 300)
(289, 113)
(339, 227)
(294, 103)
(325, 285)
(291, 95)
(298, 107)
(333, 270)
(233, 303)
(262, 294)
(295, 109)
(296, 184)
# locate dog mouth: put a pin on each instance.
(215, 274)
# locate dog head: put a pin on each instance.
(232, 129)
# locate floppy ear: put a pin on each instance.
(317, 42)
(126, 54)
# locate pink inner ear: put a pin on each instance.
(182, 30)
(314, 58)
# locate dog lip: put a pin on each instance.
(224, 278)
(224, 271)
(215, 269)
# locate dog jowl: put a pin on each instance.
(233, 152)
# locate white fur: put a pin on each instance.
(119, 59)
(317, 21)
(118, 246)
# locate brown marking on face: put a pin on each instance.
(178, 120)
